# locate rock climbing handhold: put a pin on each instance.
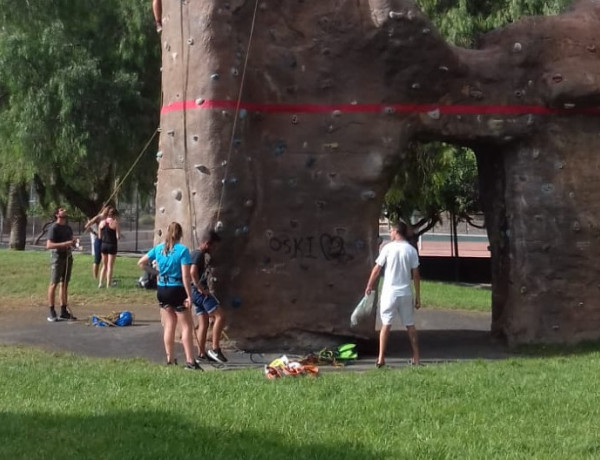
(434, 114)
(203, 169)
(280, 148)
(396, 14)
(368, 195)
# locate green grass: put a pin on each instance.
(66, 407)
(455, 296)
(26, 275)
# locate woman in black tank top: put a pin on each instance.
(110, 234)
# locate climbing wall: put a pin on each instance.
(282, 125)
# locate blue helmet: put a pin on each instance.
(125, 319)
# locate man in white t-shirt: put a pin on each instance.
(400, 262)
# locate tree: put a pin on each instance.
(434, 178)
(80, 92)
(463, 21)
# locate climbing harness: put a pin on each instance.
(338, 357)
(283, 367)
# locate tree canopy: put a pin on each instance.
(79, 93)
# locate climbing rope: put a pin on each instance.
(120, 184)
(237, 110)
(185, 83)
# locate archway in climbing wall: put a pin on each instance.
(281, 123)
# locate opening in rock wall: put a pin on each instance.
(436, 189)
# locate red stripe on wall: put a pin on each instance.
(378, 108)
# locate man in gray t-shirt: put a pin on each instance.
(60, 241)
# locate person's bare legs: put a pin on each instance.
(201, 334)
(169, 322)
(187, 329)
(95, 270)
(218, 325)
(157, 11)
(103, 269)
(414, 344)
(109, 268)
(383, 339)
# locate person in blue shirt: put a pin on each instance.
(174, 292)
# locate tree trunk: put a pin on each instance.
(17, 215)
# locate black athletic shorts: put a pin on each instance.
(171, 296)
(108, 248)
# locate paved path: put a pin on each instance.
(444, 336)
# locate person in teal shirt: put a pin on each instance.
(174, 292)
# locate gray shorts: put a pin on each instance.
(60, 268)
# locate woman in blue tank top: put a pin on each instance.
(174, 292)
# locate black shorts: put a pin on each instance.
(172, 296)
(108, 248)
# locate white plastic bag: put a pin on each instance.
(363, 309)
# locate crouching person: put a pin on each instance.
(206, 304)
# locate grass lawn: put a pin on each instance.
(455, 296)
(65, 407)
(59, 406)
(26, 275)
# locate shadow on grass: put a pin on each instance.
(152, 435)
(554, 350)
(455, 344)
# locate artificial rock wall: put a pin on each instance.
(293, 172)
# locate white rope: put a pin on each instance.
(118, 186)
